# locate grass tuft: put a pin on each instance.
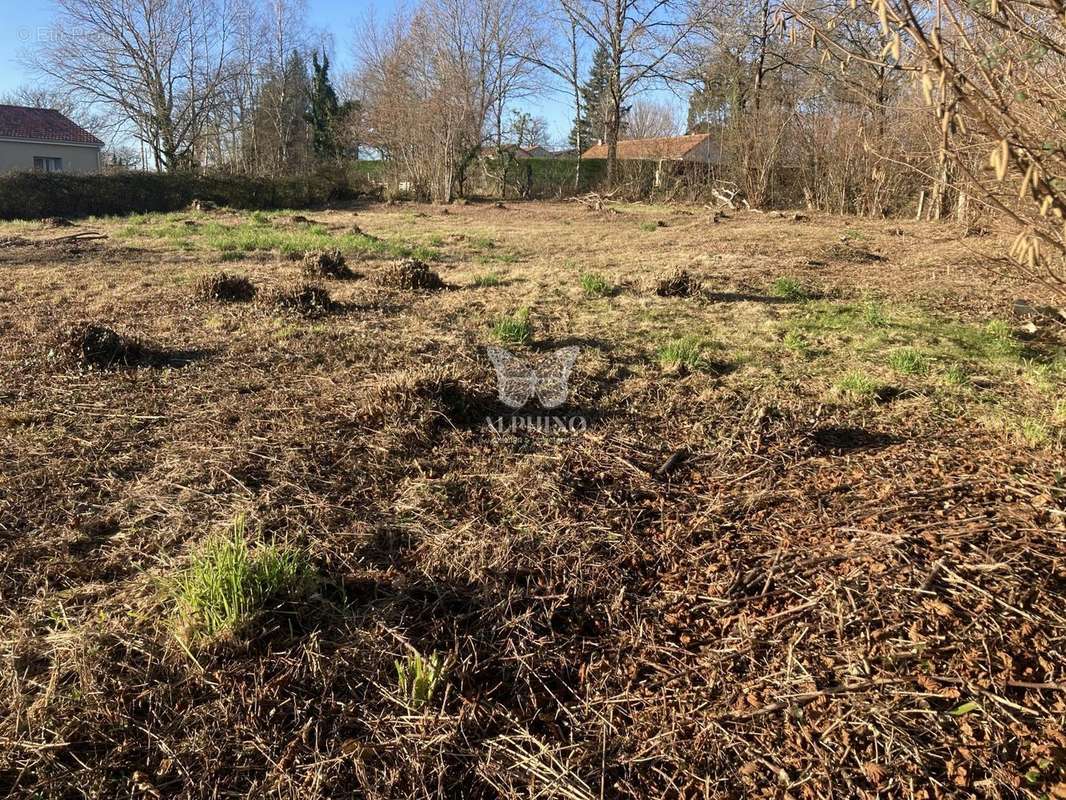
(908, 361)
(487, 279)
(857, 386)
(514, 328)
(684, 354)
(1000, 338)
(957, 375)
(418, 678)
(226, 585)
(874, 314)
(789, 289)
(595, 285)
(796, 342)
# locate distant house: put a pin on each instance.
(695, 148)
(43, 140)
(538, 152)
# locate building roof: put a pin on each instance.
(42, 124)
(670, 148)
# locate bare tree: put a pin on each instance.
(640, 38)
(648, 119)
(431, 82)
(159, 67)
(992, 74)
(558, 53)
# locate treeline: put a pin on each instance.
(870, 107)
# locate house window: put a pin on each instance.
(47, 164)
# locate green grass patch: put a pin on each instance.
(908, 361)
(789, 289)
(856, 386)
(649, 227)
(797, 342)
(957, 375)
(227, 584)
(1058, 414)
(254, 235)
(683, 354)
(487, 279)
(514, 328)
(874, 314)
(594, 285)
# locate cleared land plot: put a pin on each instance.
(260, 541)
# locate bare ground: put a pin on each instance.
(798, 569)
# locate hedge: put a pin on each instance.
(28, 195)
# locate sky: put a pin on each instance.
(26, 22)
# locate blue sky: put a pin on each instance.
(28, 21)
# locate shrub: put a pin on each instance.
(226, 584)
(514, 328)
(678, 283)
(595, 285)
(304, 299)
(411, 274)
(326, 264)
(29, 195)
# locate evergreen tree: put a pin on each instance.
(325, 110)
(595, 101)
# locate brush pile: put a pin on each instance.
(304, 299)
(92, 346)
(225, 288)
(411, 275)
(678, 283)
(325, 264)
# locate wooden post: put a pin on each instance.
(921, 206)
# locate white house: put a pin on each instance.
(43, 140)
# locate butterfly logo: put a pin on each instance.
(546, 377)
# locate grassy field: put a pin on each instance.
(799, 533)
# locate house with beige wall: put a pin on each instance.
(43, 140)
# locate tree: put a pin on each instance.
(431, 85)
(326, 112)
(558, 53)
(280, 136)
(649, 120)
(525, 130)
(591, 123)
(159, 67)
(639, 38)
(992, 76)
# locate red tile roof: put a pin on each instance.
(42, 124)
(670, 148)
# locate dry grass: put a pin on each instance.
(734, 582)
